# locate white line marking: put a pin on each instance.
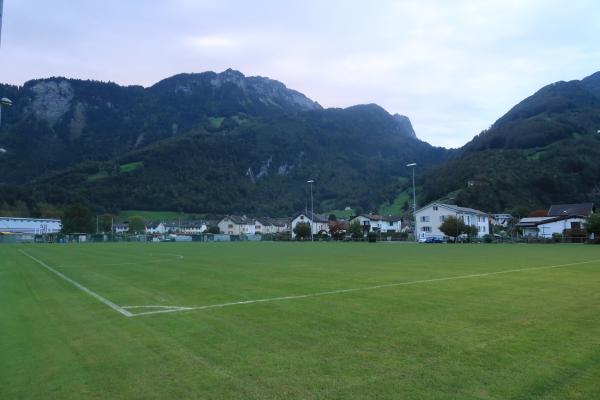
(304, 296)
(80, 286)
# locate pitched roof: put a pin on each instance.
(536, 221)
(375, 217)
(582, 209)
(273, 221)
(239, 220)
(455, 208)
(317, 217)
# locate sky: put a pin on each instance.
(453, 67)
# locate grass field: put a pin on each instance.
(335, 321)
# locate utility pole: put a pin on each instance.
(312, 211)
(413, 165)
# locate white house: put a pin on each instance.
(547, 226)
(156, 228)
(379, 223)
(193, 227)
(502, 219)
(121, 227)
(272, 225)
(237, 225)
(561, 217)
(36, 226)
(319, 223)
(430, 217)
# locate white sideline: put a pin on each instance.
(170, 309)
(80, 286)
(303, 296)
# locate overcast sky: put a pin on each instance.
(453, 67)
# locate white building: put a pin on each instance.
(379, 223)
(502, 219)
(156, 228)
(547, 226)
(319, 224)
(193, 227)
(237, 225)
(34, 226)
(561, 217)
(430, 217)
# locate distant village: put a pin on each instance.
(560, 221)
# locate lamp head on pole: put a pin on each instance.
(310, 181)
(411, 165)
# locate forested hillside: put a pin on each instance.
(544, 150)
(215, 143)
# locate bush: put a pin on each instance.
(372, 237)
(488, 238)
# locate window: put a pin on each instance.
(425, 218)
(230, 226)
(435, 208)
(442, 218)
(426, 228)
(391, 223)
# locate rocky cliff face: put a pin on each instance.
(51, 100)
(233, 90)
(405, 124)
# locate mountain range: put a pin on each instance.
(227, 143)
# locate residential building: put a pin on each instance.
(501, 219)
(430, 217)
(545, 227)
(379, 223)
(193, 227)
(237, 225)
(156, 228)
(36, 226)
(320, 223)
(560, 218)
(121, 227)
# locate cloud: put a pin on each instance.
(212, 42)
(452, 67)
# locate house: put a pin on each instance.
(379, 223)
(272, 225)
(545, 227)
(193, 227)
(121, 227)
(36, 226)
(237, 225)
(319, 223)
(501, 219)
(560, 218)
(280, 225)
(581, 210)
(430, 217)
(156, 228)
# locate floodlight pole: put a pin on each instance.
(413, 165)
(312, 211)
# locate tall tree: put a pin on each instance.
(302, 230)
(355, 229)
(454, 227)
(77, 218)
(592, 225)
(137, 224)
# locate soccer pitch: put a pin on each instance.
(299, 321)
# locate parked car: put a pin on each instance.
(431, 239)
